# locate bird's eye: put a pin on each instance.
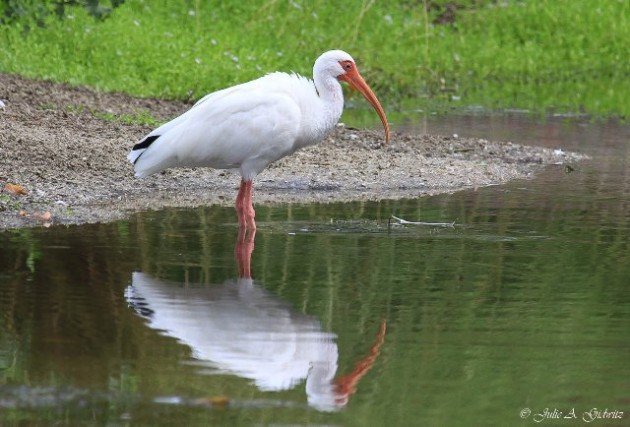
(346, 65)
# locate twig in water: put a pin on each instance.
(428, 224)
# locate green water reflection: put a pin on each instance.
(523, 305)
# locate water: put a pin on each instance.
(525, 303)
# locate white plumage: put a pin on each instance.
(251, 125)
(245, 127)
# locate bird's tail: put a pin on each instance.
(140, 148)
(134, 154)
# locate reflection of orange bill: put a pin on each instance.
(347, 384)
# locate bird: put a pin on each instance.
(250, 125)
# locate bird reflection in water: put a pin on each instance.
(240, 328)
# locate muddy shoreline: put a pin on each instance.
(66, 148)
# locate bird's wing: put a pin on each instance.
(148, 139)
(247, 126)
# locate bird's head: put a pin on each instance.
(341, 65)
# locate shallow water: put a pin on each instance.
(349, 320)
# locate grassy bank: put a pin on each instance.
(563, 56)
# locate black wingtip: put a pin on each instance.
(145, 142)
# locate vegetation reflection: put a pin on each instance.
(239, 328)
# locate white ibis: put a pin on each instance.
(251, 125)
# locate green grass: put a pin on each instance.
(540, 55)
(137, 118)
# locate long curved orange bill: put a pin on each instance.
(356, 81)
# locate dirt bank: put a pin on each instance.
(66, 147)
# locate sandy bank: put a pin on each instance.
(65, 147)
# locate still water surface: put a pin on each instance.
(525, 303)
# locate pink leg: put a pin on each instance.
(240, 205)
(245, 209)
(243, 253)
(248, 209)
(246, 230)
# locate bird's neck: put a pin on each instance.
(321, 109)
(331, 95)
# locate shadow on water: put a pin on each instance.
(523, 304)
